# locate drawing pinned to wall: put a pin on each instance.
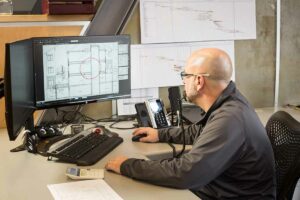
(159, 65)
(164, 21)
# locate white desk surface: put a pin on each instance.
(26, 176)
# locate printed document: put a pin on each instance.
(87, 190)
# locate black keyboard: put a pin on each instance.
(86, 148)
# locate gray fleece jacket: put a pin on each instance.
(231, 156)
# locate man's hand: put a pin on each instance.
(152, 134)
(115, 164)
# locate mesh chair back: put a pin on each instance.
(284, 133)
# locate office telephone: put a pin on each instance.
(152, 113)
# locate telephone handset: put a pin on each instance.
(152, 114)
(142, 115)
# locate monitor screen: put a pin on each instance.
(72, 70)
(19, 86)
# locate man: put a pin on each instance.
(231, 156)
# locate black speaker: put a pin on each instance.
(142, 115)
(174, 97)
(47, 131)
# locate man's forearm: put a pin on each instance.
(174, 135)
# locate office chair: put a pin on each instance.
(284, 133)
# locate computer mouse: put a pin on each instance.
(136, 138)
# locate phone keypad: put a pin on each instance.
(160, 119)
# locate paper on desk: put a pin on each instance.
(126, 106)
(87, 190)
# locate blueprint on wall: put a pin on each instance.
(159, 65)
(166, 21)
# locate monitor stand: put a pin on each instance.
(29, 139)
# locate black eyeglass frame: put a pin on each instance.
(183, 74)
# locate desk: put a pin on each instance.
(26, 176)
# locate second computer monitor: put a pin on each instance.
(19, 86)
(72, 70)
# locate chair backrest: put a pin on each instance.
(284, 133)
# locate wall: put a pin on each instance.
(255, 59)
(289, 91)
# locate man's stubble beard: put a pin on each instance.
(190, 98)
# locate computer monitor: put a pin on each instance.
(52, 72)
(72, 70)
(19, 86)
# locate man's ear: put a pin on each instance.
(200, 82)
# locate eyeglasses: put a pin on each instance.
(183, 75)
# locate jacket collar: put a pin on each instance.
(226, 94)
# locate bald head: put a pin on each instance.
(213, 61)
